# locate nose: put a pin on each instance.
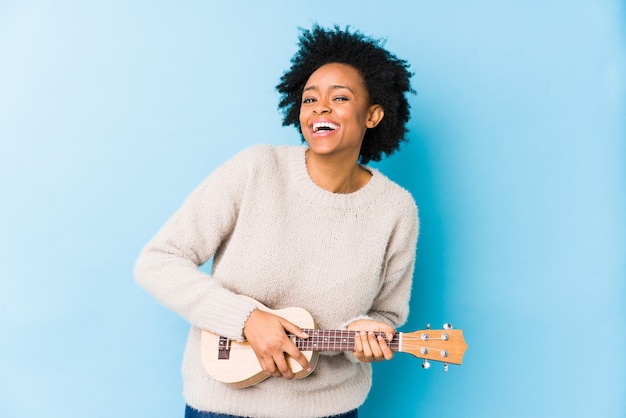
(321, 107)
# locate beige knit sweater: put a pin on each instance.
(277, 237)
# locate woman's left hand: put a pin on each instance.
(368, 346)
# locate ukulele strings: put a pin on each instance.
(333, 341)
(317, 343)
(408, 342)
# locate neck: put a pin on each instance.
(337, 340)
(336, 175)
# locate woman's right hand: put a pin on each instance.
(267, 335)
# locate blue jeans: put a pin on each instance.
(194, 413)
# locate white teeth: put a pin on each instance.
(324, 125)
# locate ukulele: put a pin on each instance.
(236, 364)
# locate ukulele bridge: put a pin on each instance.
(223, 349)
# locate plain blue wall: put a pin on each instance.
(111, 112)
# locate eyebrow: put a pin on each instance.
(333, 87)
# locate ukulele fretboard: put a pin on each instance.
(335, 340)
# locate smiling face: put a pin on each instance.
(336, 111)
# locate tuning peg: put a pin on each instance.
(426, 364)
(447, 326)
(445, 367)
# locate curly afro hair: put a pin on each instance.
(386, 79)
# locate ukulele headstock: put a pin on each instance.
(445, 345)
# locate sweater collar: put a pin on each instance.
(317, 195)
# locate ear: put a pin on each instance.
(375, 115)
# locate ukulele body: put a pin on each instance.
(238, 365)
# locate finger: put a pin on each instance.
(384, 347)
(294, 329)
(282, 367)
(269, 366)
(358, 346)
(291, 349)
(367, 350)
(374, 344)
(297, 355)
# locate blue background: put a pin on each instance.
(111, 112)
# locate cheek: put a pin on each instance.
(302, 118)
(302, 124)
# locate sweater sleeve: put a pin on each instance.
(168, 267)
(391, 304)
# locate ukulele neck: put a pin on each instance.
(337, 340)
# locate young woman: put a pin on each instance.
(307, 226)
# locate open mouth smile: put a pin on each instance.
(324, 127)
